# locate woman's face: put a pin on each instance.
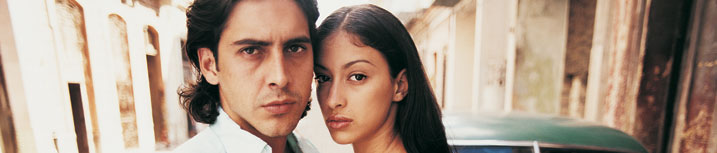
(355, 89)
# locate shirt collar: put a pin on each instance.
(237, 140)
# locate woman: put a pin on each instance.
(372, 88)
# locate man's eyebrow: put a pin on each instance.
(298, 40)
(251, 42)
(347, 65)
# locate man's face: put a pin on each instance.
(264, 66)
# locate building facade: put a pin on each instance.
(93, 76)
(634, 65)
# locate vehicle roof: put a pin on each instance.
(526, 127)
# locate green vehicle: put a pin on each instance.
(531, 133)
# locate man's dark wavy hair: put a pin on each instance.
(206, 20)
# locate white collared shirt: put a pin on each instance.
(225, 136)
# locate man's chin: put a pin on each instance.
(283, 132)
(277, 128)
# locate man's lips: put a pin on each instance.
(278, 107)
(337, 122)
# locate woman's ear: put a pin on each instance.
(400, 87)
(208, 65)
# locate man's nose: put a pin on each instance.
(277, 76)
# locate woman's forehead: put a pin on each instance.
(341, 48)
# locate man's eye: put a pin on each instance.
(322, 78)
(250, 50)
(296, 48)
(357, 77)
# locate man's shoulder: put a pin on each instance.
(206, 142)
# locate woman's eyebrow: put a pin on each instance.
(320, 66)
(347, 65)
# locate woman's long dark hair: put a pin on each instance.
(418, 119)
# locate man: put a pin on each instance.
(255, 60)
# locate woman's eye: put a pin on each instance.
(296, 48)
(250, 50)
(322, 78)
(357, 77)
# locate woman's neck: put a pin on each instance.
(384, 140)
(394, 145)
(387, 143)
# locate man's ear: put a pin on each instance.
(400, 86)
(208, 65)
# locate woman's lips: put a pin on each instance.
(337, 122)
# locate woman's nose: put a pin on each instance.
(336, 99)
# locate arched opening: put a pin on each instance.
(123, 79)
(73, 43)
(156, 87)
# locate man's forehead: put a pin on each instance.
(266, 20)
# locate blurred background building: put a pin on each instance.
(102, 75)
